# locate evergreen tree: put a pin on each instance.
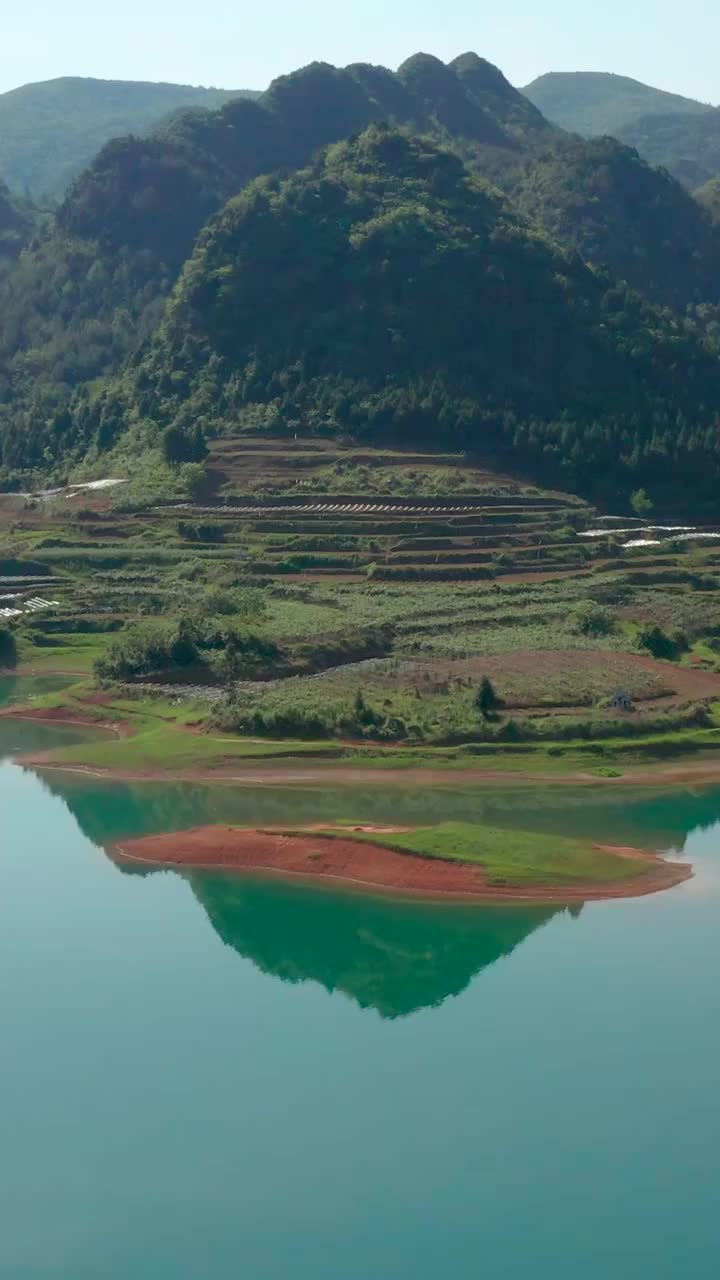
(486, 699)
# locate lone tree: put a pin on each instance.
(486, 699)
(641, 504)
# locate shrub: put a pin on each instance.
(200, 531)
(244, 656)
(592, 619)
(8, 647)
(660, 643)
(144, 649)
(246, 602)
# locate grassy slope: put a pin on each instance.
(509, 857)
(74, 655)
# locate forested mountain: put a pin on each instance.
(687, 146)
(388, 293)
(156, 193)
(16, 223)
(204, 157)
(51, 130)
(600, 198)
(669, 131)
(594, 103)
(89, 292)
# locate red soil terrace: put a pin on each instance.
(353, 862)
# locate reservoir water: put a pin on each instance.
(204, 1077)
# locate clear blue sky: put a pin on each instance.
(236, 44)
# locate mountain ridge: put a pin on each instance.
(594, 103)
(88, 294)
(409, 301)
(51, 129)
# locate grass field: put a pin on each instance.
(166, 736)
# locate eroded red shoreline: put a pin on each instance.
(354, 863)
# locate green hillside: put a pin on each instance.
(688, 146)
(89, 293)
(51, 130)
(709, 197)
(157, 192)
(16, 222)
(93, 287)
(669, 131)
(594, 103)
(388, 294)
(600, 198)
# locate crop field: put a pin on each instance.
(527, 680)
(318, 593)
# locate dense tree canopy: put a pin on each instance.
(384, 291)
(17, 219)
(389, 293)
(600, 198)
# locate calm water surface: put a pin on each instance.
(204, 1077)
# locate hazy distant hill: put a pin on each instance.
(49, 131)
(670, 132)
(595, 102)
(687, 145)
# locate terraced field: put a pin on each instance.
(398, 579)
(318, 512)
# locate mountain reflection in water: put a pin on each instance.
(395, 957)
(647, 816)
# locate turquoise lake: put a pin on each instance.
(204, 1077)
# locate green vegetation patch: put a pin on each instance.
(509, 857)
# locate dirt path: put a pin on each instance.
(354, 863)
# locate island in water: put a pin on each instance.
(452, 860)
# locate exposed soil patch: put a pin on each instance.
(538, 681)
(314, 857)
